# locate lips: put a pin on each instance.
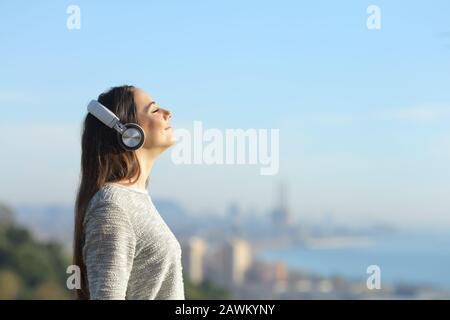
(168, 128)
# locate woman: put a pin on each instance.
(122, 245)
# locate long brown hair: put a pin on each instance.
(102, 160)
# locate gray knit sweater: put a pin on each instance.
(129, 251)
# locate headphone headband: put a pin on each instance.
(131, 135)
(102, 113)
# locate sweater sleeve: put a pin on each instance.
(108, 250)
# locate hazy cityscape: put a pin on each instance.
(225, 251)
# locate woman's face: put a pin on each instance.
(155, 122)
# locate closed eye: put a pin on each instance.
(153, 103)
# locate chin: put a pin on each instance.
(168, 144)
(172, 142)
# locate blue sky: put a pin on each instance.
(363, 114)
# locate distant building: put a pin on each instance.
(234, 216)
(273, 274)
(236, 261)
(193, 259)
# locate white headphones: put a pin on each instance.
(130, 135)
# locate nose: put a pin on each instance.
(168, 114)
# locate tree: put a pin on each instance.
(204, 291)
(29, 269)
(10, 285)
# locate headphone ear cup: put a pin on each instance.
(132, 138)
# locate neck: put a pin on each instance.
(146, 160)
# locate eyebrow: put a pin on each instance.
(150, 104)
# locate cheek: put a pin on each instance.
(153, 127)
(148, 125)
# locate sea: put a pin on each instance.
(419, 258)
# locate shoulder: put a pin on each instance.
(107, 202)
(107, 194)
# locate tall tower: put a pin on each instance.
(281, 215)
